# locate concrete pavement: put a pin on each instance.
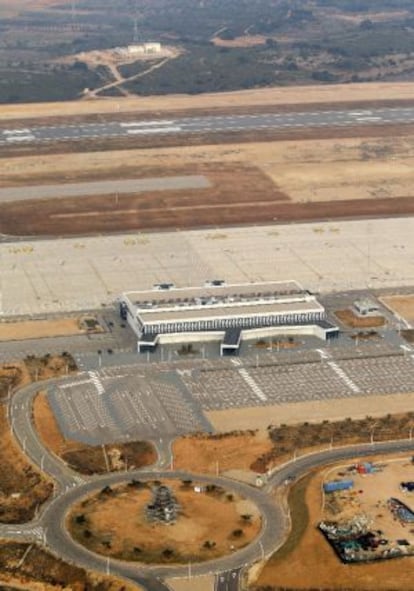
(49, 526)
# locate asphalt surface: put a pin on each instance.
(49, 525)
(228, 581)
(207, 124)
(118, 187)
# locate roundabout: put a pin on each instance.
(164, 522)
(50, 526)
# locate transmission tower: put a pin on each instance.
(72, 13)
(136, 37)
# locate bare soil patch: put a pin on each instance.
(208, 453)
(251, 183)
(302, 438)
(265, 449)
(50, 366)
(244, 41)
(84, 458)
(309, 562)
(209, 525)
(368, 500)
(357, 407)
(408, 334)
(44, 572)
(22, 488)
(161, 209)
(349, 318)
(12, 376)
(267, 96)
(402, 305)
(35, 329)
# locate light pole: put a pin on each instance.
(262, 554)
(372, 433)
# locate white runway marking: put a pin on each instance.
(146, 123)
(171, 129)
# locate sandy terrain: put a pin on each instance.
(209, 454)
(23, 487)
(376, 489)
(37, 329)
(307, 170)
(48, 429)
(402, 305)
(337, 409)
(120, 519)
(203, 583)
(84, 458)
(349, 318)
(244, 41)
(267, 96)
(275, 180)
(314, 563)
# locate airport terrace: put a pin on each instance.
(217, 310)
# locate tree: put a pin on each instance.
(246, 517)
(237, 533)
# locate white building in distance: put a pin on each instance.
(222, 311)
(144, 49)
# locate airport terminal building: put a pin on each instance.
(222, 311)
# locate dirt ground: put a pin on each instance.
(369, 497)
(12, 376)
(118, 526)
(201, 583)
(349, 318)
(267, 96)
(85, 458)
(357, 407)
(40, 571)
(36, 329)
(49, 366)
(402, 305)
(209, 454)
(275, 181)
(313, 563)
(22, 488)
(267, 448)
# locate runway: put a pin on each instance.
(207, 125)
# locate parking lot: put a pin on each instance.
(121, 404)
(149, 401)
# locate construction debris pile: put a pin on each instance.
(362, 522)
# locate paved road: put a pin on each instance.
(228, 581)
(207, 124)
(49, 525)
